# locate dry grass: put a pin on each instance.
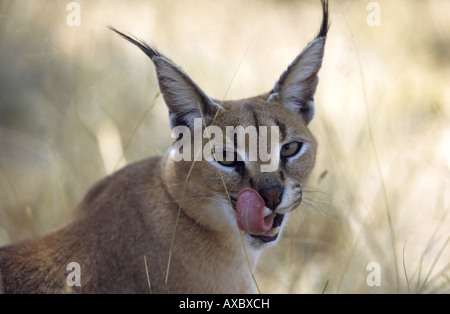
(78, 102)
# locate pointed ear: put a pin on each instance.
(183, 97)
(297, 85)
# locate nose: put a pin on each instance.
(272, 195)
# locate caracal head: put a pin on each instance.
(247, 161)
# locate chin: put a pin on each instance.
(268, 238)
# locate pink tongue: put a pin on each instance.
(250, 206)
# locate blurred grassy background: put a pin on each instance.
(78, 102)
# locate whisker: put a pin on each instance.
(318, 206)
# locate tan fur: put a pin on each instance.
(132, 213)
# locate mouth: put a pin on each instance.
(272, 233)
(254, 218)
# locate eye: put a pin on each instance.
(290, 149)
(227, 158)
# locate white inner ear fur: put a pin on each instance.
(297, 85)
(305, 66)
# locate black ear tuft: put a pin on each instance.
(325, 23)
(151, 52)
(183, 97)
